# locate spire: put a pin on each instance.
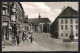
(39, 16)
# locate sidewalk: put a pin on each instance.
(26, 46)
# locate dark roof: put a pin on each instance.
(68, 13)
(41, 20)
(21, 6)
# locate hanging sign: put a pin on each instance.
(5, 23)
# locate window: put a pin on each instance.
(76, 27)
(76, 34)
(71, 21)
(7, 12)
(62, 34)
(62, 21)
(61, 27)
(4, 12)
(66, 21)
(76, 21)
(66, 34)
(66, 27)
(71, 26)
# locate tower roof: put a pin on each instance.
(68, 13)
(41, 20)
(39, 16)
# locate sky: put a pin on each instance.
(46, 9)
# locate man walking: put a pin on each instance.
(15, 33)
(17, 40)
(31, 38)
(38, 37)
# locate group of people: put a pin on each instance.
(17, 34)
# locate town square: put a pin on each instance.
(39, 26)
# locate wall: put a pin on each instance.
(69, 28)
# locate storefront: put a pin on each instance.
(5, 34)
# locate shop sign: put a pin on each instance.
(5, 23)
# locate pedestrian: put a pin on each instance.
(15, 33)
(23, 36)
(15, 30)
(17, 40)
(31, 39)
(38, 37)
(26, 36)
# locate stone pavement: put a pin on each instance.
(44, 43)
(54, 44)
(26, 46)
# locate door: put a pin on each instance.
(45, 28)
(5, 33)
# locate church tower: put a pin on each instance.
(39, 16)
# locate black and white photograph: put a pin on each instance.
(40, 26)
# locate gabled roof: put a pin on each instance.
(36, 21)
(68, 13)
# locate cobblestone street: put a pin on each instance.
(44, 43)
(54, 44)
(26, 46)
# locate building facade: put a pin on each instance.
(65, 24)
(12, 13)
(65, 27)
(5, 14)
(41, 24)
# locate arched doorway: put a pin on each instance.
(45, 28)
